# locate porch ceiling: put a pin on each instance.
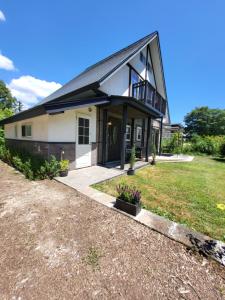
(136, 109)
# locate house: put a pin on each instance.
(99, 115)
(170, 129)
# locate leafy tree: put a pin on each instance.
(7, 101)
(8, 105)
(205, 121)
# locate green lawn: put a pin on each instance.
(187, 193)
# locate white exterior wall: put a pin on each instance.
(55, 128)
(118, 84)
(62, 127)
(39, 129)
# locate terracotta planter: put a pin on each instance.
(132, 209)
(130, 171)
(63, 173)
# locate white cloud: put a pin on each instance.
(2, 16)
(30, 90)
(6, 63)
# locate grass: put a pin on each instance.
(187, 193)
(93, 257)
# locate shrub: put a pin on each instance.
(207, 145)
(32, 166)
(173, 144)
(128, 194)
(222, 149)
(49, 169)
(64, 164)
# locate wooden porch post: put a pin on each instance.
(123, 137)
(104, 136)
(160, 141)
(148, 139)
(132, 133)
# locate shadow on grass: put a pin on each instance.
(219, 159)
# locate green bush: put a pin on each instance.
(64, 164)
(207, 145)
(173, 144)
(222, 149)
(32, 166)
(49, 169)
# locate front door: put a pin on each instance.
(83, 144)
(114, 139)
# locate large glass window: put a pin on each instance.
(83, 131)
(135, 78)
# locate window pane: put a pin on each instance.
(23, 131)
(86, 122)
(81, 131)
(86, 132)
(81, 122)
(86, 140)
(28, 130)
(80, 140)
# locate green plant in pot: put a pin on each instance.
(153, 162)
(131, 170)
(64, 167)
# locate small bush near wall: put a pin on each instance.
(32, 166)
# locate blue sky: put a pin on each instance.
(49, 42)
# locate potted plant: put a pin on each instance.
(153, 162)
(131, 170)
(128, 199)
(64, 167)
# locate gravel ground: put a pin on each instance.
(56, 245)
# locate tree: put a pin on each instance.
(7, 101)
(205, 121)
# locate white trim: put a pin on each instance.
(101, 83)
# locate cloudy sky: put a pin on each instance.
(44, 44)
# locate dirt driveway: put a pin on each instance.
(56, 245)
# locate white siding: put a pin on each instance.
(55, 128)
(62, 127)
(118, 84)
(39, 129)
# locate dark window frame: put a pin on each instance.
(83, 131)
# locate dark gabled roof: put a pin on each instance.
(98, 72)
(89, 79)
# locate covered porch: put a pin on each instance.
(121, 125)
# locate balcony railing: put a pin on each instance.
(147, 94)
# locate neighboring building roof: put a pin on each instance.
(98, 72)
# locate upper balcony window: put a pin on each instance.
(149, 67)
(142, 58)
(135, 78)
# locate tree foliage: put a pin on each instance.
(205, 121)
(8, 103)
